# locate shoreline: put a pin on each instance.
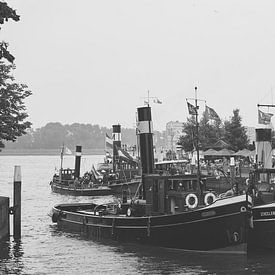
(46, 152)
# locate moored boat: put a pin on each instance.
(69, 182)
(262, 188)
(172, 210)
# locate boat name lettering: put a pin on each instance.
(208, 213)
(269, 213)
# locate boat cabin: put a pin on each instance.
(263, 180)
(172, 166)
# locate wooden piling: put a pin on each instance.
(17, 203)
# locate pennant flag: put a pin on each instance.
(157, 101)
(65, 151)
(264, 118)
(191, 109)
(125, 156)
(211, 114)
(108, 142)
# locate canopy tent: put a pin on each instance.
(220, 144)
(245, 153)
(210, 152)
(225, 153)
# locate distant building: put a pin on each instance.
(173, 133)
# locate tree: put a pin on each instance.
(235, 133)
(187, 140)
(209, 133)
(6, 13)
(12, 95)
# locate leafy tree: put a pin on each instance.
(12, 95)
(187, 140)
(210, 131)
(6, 13)
(235, 133)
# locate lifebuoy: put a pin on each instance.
(209, 198)
(191, 201)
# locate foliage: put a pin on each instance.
(210, 131)
(235, 133)
(54, 134)
(12, 109)
(12, 95)
(187, 140)
(6, 13)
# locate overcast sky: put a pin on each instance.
(93, 61)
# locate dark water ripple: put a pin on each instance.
(44, 249)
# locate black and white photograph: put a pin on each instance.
(137, 137)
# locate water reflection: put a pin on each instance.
(11, 253)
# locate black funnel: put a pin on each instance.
(145, 133)
(77, 161)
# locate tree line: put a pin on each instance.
(89, 136)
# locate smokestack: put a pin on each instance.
(77, 161)
(145, 132)
(264, 147)
(116, 143)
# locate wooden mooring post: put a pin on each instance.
(17, 203)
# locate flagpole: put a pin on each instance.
(197, 143)
(61, 162)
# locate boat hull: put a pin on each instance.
(262, 234)
(220, 228)
(66, 190)
(131, 187)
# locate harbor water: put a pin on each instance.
(43, 249)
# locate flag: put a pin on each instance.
(191, 109)
(211, 114)
(264, 118)
(65, 151)
(157, 101)
(96, 173)
(108, 142)
(125, 156)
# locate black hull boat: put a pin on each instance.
(171, 211)
(69, 182)
(262, 234)
(72, 190)
(220, 227)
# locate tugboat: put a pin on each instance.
(262, 188)
(170, 211)
(69, 182)
(125, 173)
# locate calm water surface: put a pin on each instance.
(45, 250)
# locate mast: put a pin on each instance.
(61, 162)
(264, 143)
(197, 143)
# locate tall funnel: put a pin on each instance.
(77, 161)
(264, 147)
(145, 133)
(116, 144)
